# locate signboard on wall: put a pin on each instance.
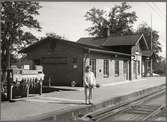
(54, 60)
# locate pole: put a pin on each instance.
(9, 84)
(151, 49)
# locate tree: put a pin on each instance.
(118, 20)
(14, 16)
(54, 35)
(96, 16)
(156, 46)
(26, 39)
(160, 66)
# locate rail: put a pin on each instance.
(127, 106)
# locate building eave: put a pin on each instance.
(108, 52)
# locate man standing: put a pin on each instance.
(89, 84)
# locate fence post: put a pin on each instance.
(27, 88)
(40, 82)
(11, 92)
(9, 84)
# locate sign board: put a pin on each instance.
(55, 60)
(26, 66)
(75, 66)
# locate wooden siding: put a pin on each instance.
(58, 63)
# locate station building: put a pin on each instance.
(113, 59)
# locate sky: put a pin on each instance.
(67, 18)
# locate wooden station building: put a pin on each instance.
(113, 59)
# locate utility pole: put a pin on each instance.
(151, 49)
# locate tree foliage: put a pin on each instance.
(26, 39)
(160, 66)
(54, 35)
(14, 16)
(118, 20)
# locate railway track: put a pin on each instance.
(131, 110)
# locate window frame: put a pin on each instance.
(106, 68)
(116, 67)
(93, 67)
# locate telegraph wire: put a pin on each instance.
(156, 6)
(155, 11)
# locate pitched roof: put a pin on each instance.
(93, 48)
(91, 41)
(121, 40)
(113, 40)
(54, 39)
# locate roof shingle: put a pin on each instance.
(121, 40)
(91, 41)
(111, 41)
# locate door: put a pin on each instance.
(55, 70)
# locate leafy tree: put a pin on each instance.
(160, 66)
(118, 20)
(156, 46)
(26, 39)
(14, 16)
(96, 16)
(54, 35)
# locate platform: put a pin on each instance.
(51, 105)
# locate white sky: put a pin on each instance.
(67, 18)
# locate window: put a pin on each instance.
(93, 65)
(138, 67)
(106, 68)
(116, 67)
(124, 66)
